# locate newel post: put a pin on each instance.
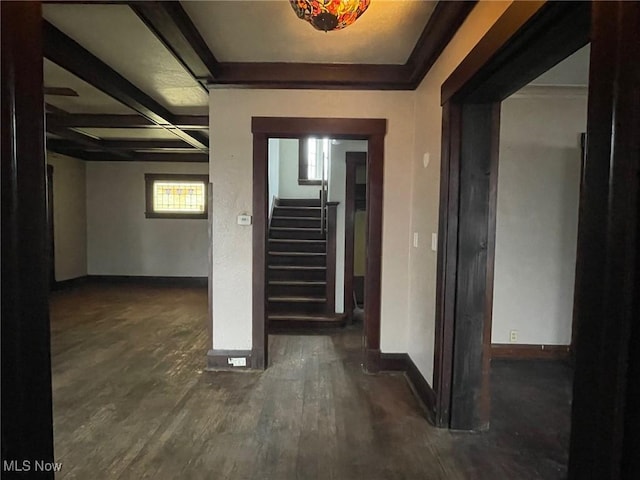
(332, 213)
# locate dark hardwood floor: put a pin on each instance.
(131, 401)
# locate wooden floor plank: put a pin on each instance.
(131, 401)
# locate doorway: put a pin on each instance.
(371, 130)
(526, 41)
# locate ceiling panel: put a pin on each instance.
(89, 99)
(116, 35)
(573, 70)
(270, 31)
(130, 133)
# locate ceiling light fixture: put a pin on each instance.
(329, 14)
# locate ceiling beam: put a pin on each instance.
(119, 144)
(83, 140)
(440, 29)
(173, 27)
(71, 56)
(444, 22)
(184, 122)
(94, 156)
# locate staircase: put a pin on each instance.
(297, 269)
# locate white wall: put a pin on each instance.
(121, 241)
(231, 171)
(69, 216)
(424, 183)
(289, 188)
(537, 216)
(274, 171)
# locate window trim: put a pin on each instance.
(303, 178)
(150, 178)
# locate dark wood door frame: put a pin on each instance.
(353, 160)
(27, 423)
(372, 130)
(527, 40)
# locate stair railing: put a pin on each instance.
(324, 192)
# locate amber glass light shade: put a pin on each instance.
(329, 14)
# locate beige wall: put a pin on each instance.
(410, 193)
(69, 216)
(231, 172)
(537, 216)
(121, 241)
(425, 182)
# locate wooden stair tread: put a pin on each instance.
(297, 299)
(321, 317)
(298, 267)
(279, 217)
(298, 254)
(297, 282)
(297, 240)
(305, 229)
(298, 207)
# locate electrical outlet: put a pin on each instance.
(513, 336)
(237, 362)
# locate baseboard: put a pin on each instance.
(151, 280)
(530, 352)
(221, 360)
(70, 283)
(402, 362)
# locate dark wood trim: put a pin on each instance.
(146, 280)
(312, 76)
(531, 37)
(220, 360)
(173, 27)
(530, 352)
(26, 423)
(602, 442)
(94, 156)
(70, 283)
(71, 120)
(402, 362)
(111, 145)
(150, 178)
(332, 227)
(259, 337)
(372, 130)
(393, 362)
(446, 270)
(51, 244)
(71, 56)
(79, 140)
(445, 20)
(440, 29)
(347, 128)
(353, 160)
(422, 389)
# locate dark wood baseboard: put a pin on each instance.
(151, 280)
(530, 352)
(220, 360)
(69, 283)
(402, 362)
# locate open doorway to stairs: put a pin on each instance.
(312, 224)
(275, 288)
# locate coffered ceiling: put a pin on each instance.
(129, 80)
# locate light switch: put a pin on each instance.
(415, 239)
(434, 242)
(425, 159)
(244, 219)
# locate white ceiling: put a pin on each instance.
(572, 71)
(270, 31)
(90, 99)
(116, 35)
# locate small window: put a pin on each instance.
(313, 157)
(176, 195)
